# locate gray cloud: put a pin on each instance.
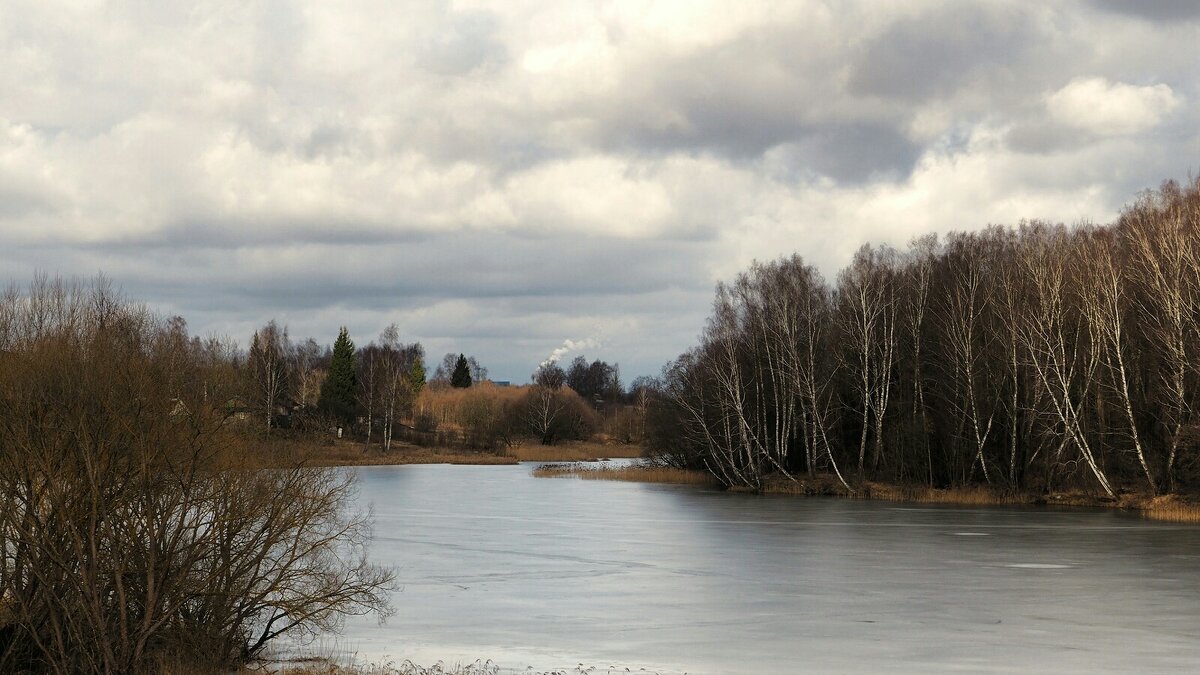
(498, 181)
(938, 51)
(1154, 10)
(466, 42)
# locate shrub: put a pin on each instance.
(134, 531)
(551, 415)
(425, 422)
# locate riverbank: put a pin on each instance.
(1170, 508)
(327, 667)
(342, 452)
(635, 473)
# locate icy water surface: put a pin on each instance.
(549, 573)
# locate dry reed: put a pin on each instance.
(1171, 509)
(328, 667)
(635, 473)
(574, 452)
(288, 451)
(966, 496)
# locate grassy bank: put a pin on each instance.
(287, 450)
(320, 666)
(1170, 508)
(574, 452)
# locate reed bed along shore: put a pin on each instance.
(350, 453)
(326, 667)
(315, 452)
(574, 452)
(638, 473)
(922, 494)
(1169, 508)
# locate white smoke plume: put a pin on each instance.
(568, 346)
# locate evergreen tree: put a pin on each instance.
(339, 389)
(461, 377)
(416, 376)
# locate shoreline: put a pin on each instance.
(285, 450)
(1166, 508)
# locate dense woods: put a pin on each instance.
(1040, 357)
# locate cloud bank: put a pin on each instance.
(498, 176)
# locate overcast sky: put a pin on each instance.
(499, 177)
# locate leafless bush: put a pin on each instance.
(132, 530)
(553, 415)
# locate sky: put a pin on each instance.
(518, 179)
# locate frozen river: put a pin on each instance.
(549, 573)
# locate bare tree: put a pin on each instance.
(964, 306)
(309, 373)
(1105, 304)
(868, 309)
(1062, 351)
(396, 363)
(270, 350)
(135, 532)
(919, 272)
(1160, 232)
(371, 377)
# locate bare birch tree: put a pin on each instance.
(268, 363)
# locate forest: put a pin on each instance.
(1040, 357)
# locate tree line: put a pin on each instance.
(1036, 357)
(309, 387)
(379, 393)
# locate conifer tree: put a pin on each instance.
(416, 376)
(338, 391)
(461, 377)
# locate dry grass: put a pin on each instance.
(326, 667)
(574, 452)
(636, 473)
(966, 496)
(404, 668)
(452, 407)
(1171, 509)
(350, 453)
(285, 451)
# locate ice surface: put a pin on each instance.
(550, 573)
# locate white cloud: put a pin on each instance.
(1109, 108)
(497, 175)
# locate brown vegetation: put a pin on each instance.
(1171, 509)
(637, 473)
(574, 452)
(303, 449)
(136, 528)
(409, 668)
